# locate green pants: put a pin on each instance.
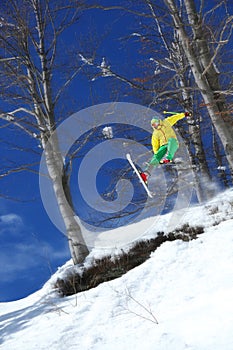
(167, 150)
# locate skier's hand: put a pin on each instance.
(188, 114)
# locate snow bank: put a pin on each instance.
(179, 299)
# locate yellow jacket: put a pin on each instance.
(164, 132)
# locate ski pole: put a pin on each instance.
(166, 112)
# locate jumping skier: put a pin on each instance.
(164, 142)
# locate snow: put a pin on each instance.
(107, 132)
(179, 299)
(85, 60)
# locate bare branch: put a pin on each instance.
(221, 42)
(21, 168)
(21, 109)
(65, 85)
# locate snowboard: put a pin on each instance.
(128, 157)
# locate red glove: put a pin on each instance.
(188, 114)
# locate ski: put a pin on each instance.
(128, 157)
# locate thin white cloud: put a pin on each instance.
(11, 218)
(16, 259)
(20, 252)
(10, 223)
(21, 258)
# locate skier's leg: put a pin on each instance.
(159, 155)
(155, 161)
(172, 147)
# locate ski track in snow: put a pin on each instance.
(186, 286)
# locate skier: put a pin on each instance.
(164, 142)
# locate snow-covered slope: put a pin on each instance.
(179, 299)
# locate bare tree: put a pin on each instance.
(29, 35)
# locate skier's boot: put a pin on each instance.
(165, 161)
(144, 176)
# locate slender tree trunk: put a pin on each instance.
(54, 163)
(198, 157)
(219, 160)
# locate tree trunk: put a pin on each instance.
(198, 157)
(219, 159)
(54, 163)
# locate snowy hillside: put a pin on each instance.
(179, 299)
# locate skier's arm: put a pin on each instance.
(155, 143)
(174, 118)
